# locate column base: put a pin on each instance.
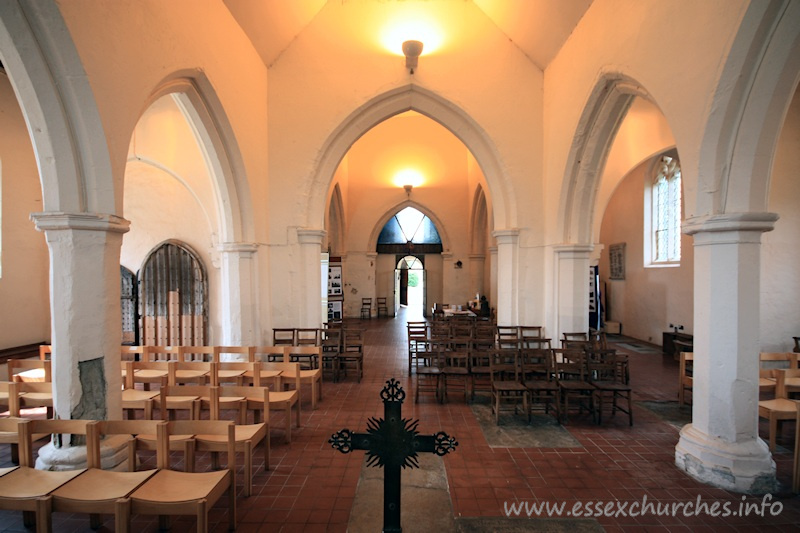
(745, 467)
(113, 454)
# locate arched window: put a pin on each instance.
(409, 231)
(665, 210)
(173, 293)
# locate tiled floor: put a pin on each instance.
(311, 487)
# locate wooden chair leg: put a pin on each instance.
(248, 469)
(122, 515)
(44, 514)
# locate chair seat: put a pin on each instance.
(281, 396)
(429, 370)
(265, 374)
(171, 487)
(136, 395)
(103, 485)
(147, 373)
(190, 374)
(576, 385)
(779, 406)
(541, 385)
(37, 398)
(459, 370)
(4, 471)
(26, 482)
(228, 374)
(611, 386)
(508, 386)
(304, 374)
(243, 433)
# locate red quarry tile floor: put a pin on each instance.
(311, 487)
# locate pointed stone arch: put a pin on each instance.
(757, 85)
(59, 108)
(399, 100)
(604, 112)
(203, 111)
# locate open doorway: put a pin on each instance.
(410, 285)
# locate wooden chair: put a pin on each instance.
(572, 375)
(352, 351)
(307, 337)
(778, 409)
(529, 334)
(428, 369)
(283, 400)
(171, 492)
(312, 376)
(4, 393)
(30, 395)
(480, 368)
(27, 489)
(382, 307)
(417, 336)
(45, 352)
(331, 344)
(768, 363)
(246, 436)
(685, 372)
(232, 372)
(455, 368)
(265, 354)
(98, 491)
(147, 373)
(189, 398)
(506, 385)
(200, 354)
(192, 372)
(29, 370)
(228, 373)
(538, 375)
(283, 336)
(366, 308)
(129, 353)
(134, 399)
(608, 372)
(507, 337)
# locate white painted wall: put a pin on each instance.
(24, 295)
(648, 299)
(780, 250)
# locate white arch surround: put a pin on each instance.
(59, 108)
(605, 110)
(198, 101)
(756, 87)
(399, 100)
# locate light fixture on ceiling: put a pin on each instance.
(412, 51)
(408, 188)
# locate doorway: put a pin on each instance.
(410, 285)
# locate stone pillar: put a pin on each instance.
(239, 294)
(506, 303)
(86, 315)
(311, 249)
(493, 276)
(572, 288)
(721, 446)
(477, 264)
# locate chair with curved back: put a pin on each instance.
(312, 376)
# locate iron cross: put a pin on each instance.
(392, 442)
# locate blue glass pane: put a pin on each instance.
(409, 223)
(391, 233)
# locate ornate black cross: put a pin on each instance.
(392, 442)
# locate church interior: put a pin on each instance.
(207, 172)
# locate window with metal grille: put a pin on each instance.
(130, 329)
(665, 238)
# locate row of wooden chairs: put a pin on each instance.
(161, 491)
(553, 378)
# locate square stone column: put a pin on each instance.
(571, 276)
(507, 304)
(311, 249)
(721, 446)
(239, 294)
